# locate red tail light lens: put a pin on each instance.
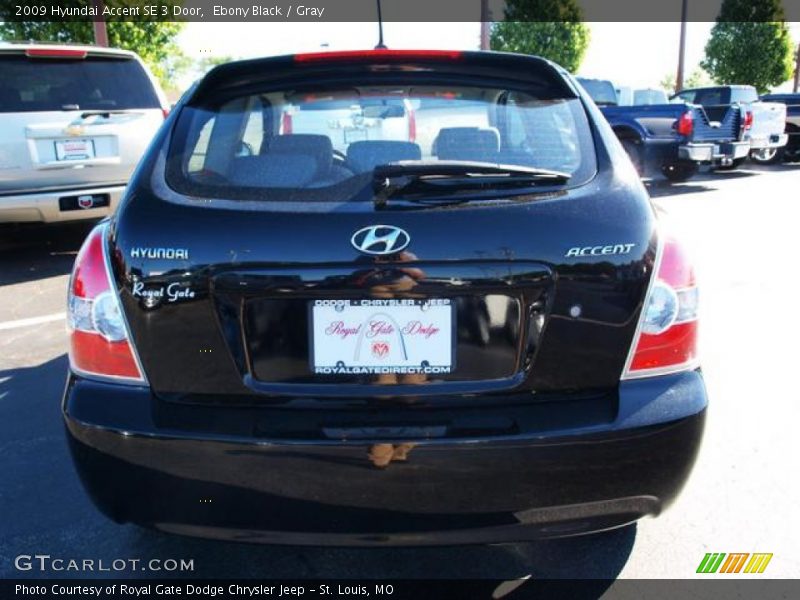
(666, 340)
(748, 120)
(99, 341)
(165, 112)
(685, 124)
(412, 125)
(286, 123)
(55, 53)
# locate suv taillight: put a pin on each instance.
(286, 123)
(99, 344)
(685, 124)
(666, 339)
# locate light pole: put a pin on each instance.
(99, 25)
(682, 48)
(485, 45)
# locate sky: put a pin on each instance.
(636, 54)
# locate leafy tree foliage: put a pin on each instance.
(750, 44)
(549, 28)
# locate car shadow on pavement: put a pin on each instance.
(33, 252)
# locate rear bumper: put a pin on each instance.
(769, 142)
(138, 465)
(43, 207)
(709, 152)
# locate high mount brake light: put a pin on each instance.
(685, 124)
(99, 342)
(55, 53)
(382, 54)
(666, 338)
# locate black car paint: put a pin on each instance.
(591, 452)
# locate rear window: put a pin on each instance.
(93, 83)
(325, 144)
(712, 97)
(744, 95)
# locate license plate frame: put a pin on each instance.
(68, 150)
(421, 338)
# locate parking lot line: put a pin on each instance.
(31, 321)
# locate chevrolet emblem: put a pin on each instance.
(75, 130)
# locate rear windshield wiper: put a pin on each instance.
(437, 176)
(103, 113)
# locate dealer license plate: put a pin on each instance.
(78, 149)
(382, 336)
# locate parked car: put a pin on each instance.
(483, 340)
(74, 120)
(764, 121)
(673, 138)
(792, 149)
(649, 96)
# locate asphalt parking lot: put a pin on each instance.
(742, 497)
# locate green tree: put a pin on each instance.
(549, 28)
(750, 44)
(154, 41)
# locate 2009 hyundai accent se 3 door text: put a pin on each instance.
(384, 297)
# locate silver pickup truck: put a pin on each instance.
(74, 121)
(764, 122)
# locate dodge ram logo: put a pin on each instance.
(380, 240)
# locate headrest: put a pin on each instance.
(317, 147)
(276, 170)
(365, 156)
(467, 143)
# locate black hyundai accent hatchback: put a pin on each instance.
(383, 297)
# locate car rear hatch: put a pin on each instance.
(242, 293)
(72, 118)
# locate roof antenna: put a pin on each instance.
(381, 45)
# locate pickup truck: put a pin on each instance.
(791, 151)
(672, 138)
(764, 121)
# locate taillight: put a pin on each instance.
(286, 123)
(685, 124)
(748, 120)
(99, 342)
(165, 113)
(412, 125)
(666, 339)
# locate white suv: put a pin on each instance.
(74, 121)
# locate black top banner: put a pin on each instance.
(367, 10)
